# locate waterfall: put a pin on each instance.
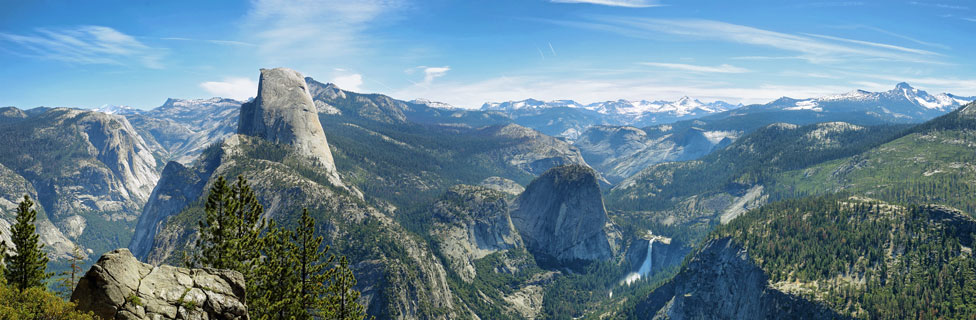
(645, 267)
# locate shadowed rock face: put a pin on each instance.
(722, 282)
(120, 287)
(561, 215)
(283, 112)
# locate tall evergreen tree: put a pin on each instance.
(341, 298)
(247, 226)
(25, 268)
(275, 287)
(230, 232)
(213, 243)
(311, 263)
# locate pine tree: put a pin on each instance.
(26, 268)
(69, 278)
(275, 288)
(341, 297)
(245, 212)
(310, 265)
(230, 233)
(213, 243)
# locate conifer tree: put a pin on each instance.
(231, 230)
(275, 288)
(26, 267)
(310, 265)
(341, 297)
(213, 243)
(247, 224)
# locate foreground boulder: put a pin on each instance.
(120, 287)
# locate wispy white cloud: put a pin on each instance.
(875, 44)
(815, 49)
(431, 73)
(617, 3)
(939, 5)
(350, 82)
(220, 42)
(725, 68)
(84, 45)
(897, 35)
(232, 87)
(320, 29)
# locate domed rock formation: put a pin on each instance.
(561, 215)
(283, 112)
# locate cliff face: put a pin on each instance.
(120, 287)
(178, 187)
(471, 223)
(283, 112)
(722, 282)
(89, 173)
(561, 215)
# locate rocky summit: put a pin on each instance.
(283, 112)
(561, 215)
(120, 287)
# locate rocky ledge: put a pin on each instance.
(120, 287)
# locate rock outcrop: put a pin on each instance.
(561, 215)
(283, 112)
(177, 188)
(722, 282)
(470, 223)
(120, 287)
(502, 185)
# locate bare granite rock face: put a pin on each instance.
(470, 223)
(503, 185)
(561, 214)
(283, 112)
(120, 287)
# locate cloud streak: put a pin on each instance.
(725, 68)
(303, 29)
(616, 3)
(84, 45)
(818, 49)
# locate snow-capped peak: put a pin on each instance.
(109, 109)
(433, 104)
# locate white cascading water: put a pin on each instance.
(645, 267)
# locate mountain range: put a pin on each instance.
(647, 209)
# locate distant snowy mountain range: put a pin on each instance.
(567, 118)
(901, 104)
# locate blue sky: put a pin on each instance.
(138, 53)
